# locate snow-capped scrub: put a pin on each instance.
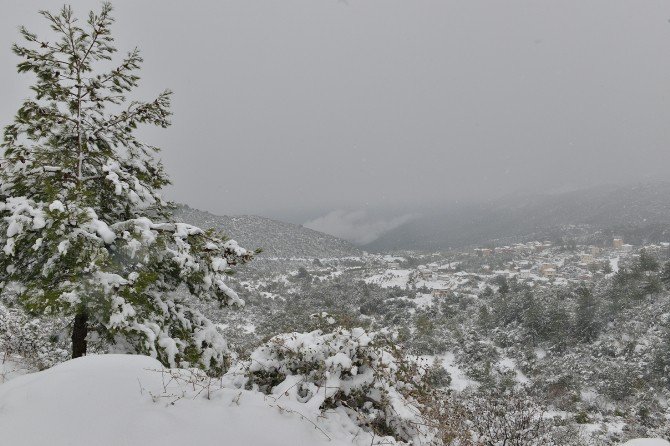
(346, 372)
(124, 399)
(28, 344)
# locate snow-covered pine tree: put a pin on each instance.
(84, 232)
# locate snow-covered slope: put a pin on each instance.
(112, 400)
(276, 238)
(125, 400)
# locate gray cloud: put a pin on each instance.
(358, 226)
(390, 103)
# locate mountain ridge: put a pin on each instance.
(276, 238)
(640, 212)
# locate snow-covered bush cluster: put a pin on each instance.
(34, 343)
(353, 372)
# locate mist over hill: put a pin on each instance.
(639, 213)
(276, 238)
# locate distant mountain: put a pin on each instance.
(639, 213)
(276, 238)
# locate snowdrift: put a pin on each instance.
(125, 400)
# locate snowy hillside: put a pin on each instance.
(638, 213)
(276, 238)
(123, 399)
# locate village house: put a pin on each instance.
(426, 274)
(440, 292)
(484, 252)
(548, 270)
(585, 258)
(524, 274)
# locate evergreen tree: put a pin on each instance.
(660, 365)
(558, 323)
(607, 268)
(647, 262)
(484, 319)
(503, 286)
(586, 323)
(651, 285)
(84, 231)
(534, 317)
(665, 275)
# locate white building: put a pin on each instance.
(524, 274)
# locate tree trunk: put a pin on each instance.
(79, 332)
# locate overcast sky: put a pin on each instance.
(309, 106)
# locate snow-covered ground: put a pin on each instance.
(12, 366)
(509, 364)
(133, 400)
(391, 278)
(459, 380)
(126, 400)
(646, 442)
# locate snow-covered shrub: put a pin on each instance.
(349, 371)
(35, 343)
(449, 415)
(503, 417)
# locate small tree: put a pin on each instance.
(534, 318)
(84, 231)
(606, 268)
(587, 325)
(503, 286)
(647, 262)
(660, 365)
(665, 275)
(651, 285)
